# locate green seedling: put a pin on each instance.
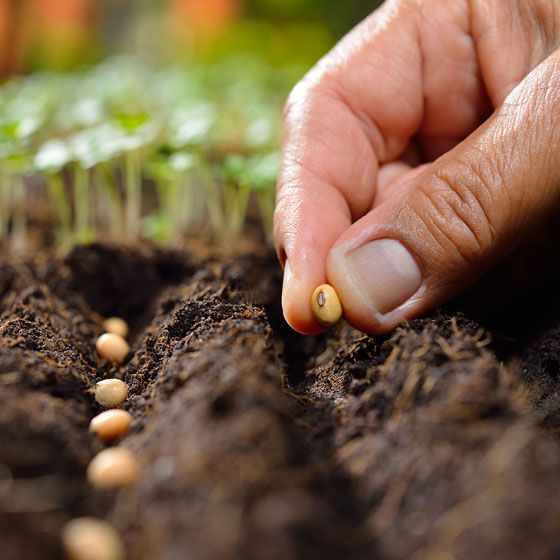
(15, 170)
(263, 173)
(96, 149)
(173, 175)
(137, 132)
(51, 159)
(234, 172)
(203, 135)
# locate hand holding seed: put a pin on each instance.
(403, 182)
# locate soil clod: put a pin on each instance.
(256, 443)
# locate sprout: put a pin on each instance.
(94, 145)
(95, 148)
(14, 168)
(51, 159)
(176, 195)
(137, 131)
(263, 173)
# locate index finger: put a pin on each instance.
(332, 151)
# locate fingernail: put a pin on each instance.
(385, 272)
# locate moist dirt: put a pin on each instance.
(437, 441)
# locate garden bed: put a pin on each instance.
(256, 443)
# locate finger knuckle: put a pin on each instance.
(455, 208)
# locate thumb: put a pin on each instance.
(441, 230)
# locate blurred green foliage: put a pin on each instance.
(194, 129)
(338, 17)
(204, 136)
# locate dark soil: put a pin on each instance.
(256, 443)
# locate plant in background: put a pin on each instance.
(236, 192)
(95, 188)
(17, 126)
(15, 169)
(137, 131)
(50, 160)
(202, 137)
(263, 171)
(178, 205)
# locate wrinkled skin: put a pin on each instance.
(435, 124)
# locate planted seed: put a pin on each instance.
(113, 467)
(111, 424)
(325, 306)
(112, 347)
(87, 538)
(110, 393)
(116, 325)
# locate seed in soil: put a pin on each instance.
(116, 325)
(112, 347)
(87, 538)
(325, 306)
(111, 424)
(110, 393)
(113, 467)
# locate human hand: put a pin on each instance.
(423, 149)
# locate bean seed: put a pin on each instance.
(116, 325)
(112, 347)
(113, 467)
(325, 306)
(110, 393)
(87, 538)
(111, 424)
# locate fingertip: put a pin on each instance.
(296, 296)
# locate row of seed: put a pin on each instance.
(88, 538)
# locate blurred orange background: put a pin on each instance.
(63, 34)
(58, 27)
(58, 33)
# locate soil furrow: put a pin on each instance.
(256, 442)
